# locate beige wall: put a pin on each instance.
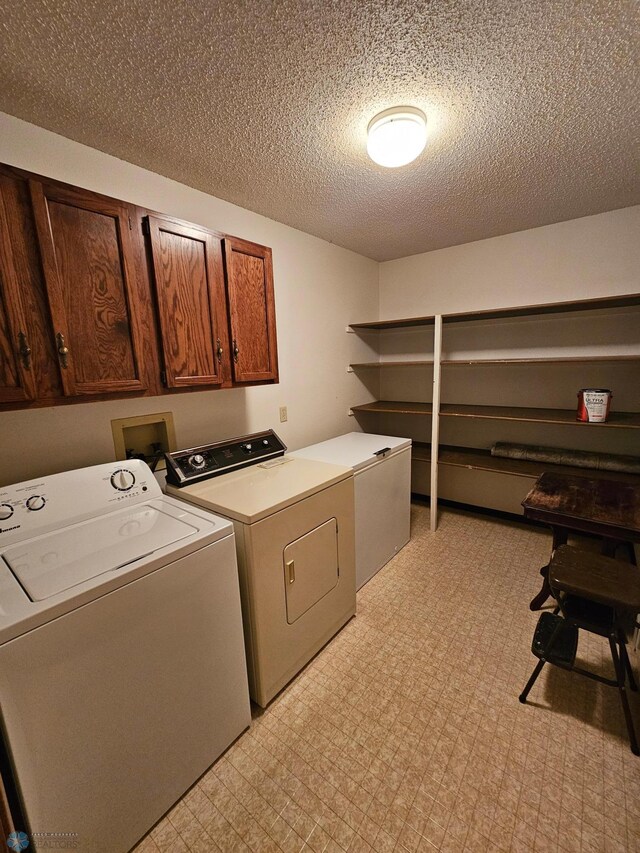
(582, 258)
(319, 289)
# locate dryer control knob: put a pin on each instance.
(123, 480)
(197, 461)
(35, 502)
(6, 511)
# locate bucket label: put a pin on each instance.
(595, 406)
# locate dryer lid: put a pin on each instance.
(55, 562)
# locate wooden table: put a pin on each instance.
(607, 508)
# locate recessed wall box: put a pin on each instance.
(146, 437)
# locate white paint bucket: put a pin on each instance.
(593, 405)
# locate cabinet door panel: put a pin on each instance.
(89, 270)
(33, 296)
(251, 311)
(17, 380)
(189, 279)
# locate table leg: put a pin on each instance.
(560, 536)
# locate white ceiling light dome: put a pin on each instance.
(396, 136)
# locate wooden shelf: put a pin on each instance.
(625, 301)
(420, 452)
(368, 364)
(405, 323)
(394, 407)
(499, 413)
(482, 460)
(365, 365)
(535, 415)
(559, 360)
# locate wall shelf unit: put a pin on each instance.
(540, 356)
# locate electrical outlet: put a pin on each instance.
(283, 414)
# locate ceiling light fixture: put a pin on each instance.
(396, 136)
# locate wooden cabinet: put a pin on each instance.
(189, 282)
(17, 378)
(213, 329)
(101, 299)
(90, 275)
(252, 316)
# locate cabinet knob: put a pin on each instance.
(63, 350)
(24, 350)
(219, 350)
(236, 351)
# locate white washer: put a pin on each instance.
(122, 670)
(382, 470)
(294, 526)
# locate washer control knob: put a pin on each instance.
(123, 480)
(197, 460)
(265, 442)
(6, 511)
(35, 502)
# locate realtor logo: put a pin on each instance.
(18, 841)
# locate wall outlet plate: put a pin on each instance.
(283, 414)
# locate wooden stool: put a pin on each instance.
(596, 594)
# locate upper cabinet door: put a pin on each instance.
(251, 311)
(189, 280)
(17, 379)
(90, 275)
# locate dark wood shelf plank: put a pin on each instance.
(536, 415)
(368, 364)
(420, 451)
(404, 323)
(394, 407)
(559, 360)
(508, 413)
(482, 460)
(453, 362)
(625, 301)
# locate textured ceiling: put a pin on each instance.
(532, 106)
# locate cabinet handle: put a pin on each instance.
(236, 351)
(291, 571)
(63, 351)
(24, 350)
(219, 350)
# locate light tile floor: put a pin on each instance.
(405, 733)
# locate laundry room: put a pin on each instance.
(320, 396)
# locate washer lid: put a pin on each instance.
(357, 450)
(49, 564)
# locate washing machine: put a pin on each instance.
(294, 526)
(122, 665)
